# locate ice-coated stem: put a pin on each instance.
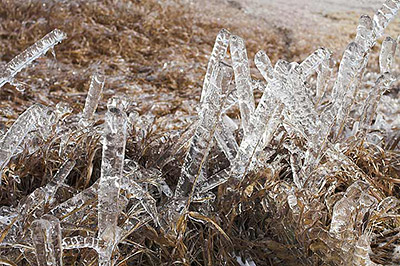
(384, 15)
(243, 81)
(93, 97)
(114, 141)
(80, 242)
(51, 188)
(264, 65)
(201, 141)
(311, 63)
(217, 55)
(226, 139)
(32, 118)
(46, 237)
(69, 208)
(29, 55)
(370, 105)
(134, 190)
(387, 54)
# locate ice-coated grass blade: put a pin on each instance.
(35, 117)
(46, 237)
(93, 97)
(29, 55)
(243, 81)
(114, 141)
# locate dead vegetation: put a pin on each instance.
(156, 53)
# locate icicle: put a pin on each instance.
(384, 15)
(46, 237)
(324, 73)
(201, 141)
(36, 116)
(93, 97)
(348, 69)
(114, 141)
(273, 123)
(250, 143)
(346, 84)
(243, 81)
(29, 55)
(248, 147)
(217, 55)
(51, 188)
(386, 57)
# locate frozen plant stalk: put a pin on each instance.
(46, 237)
(32, 118)
(217, 55)
(114, 139)
(203, 136)
(243, 81)
(386, 57)
(51, 188)
(29, 55)
(93, 97)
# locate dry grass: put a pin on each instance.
(156, 53)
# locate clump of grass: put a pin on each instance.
(156, 54)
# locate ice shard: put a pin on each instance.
(93, 97)
(69, 209)
(29, 55)
(225, 137)
(349, 212)
(34, 117)
(46, 238)
(114, 141)
(243, 81)
(134, 190)
(362, 250)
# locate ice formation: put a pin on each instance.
(29, 55)
(309, 122)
